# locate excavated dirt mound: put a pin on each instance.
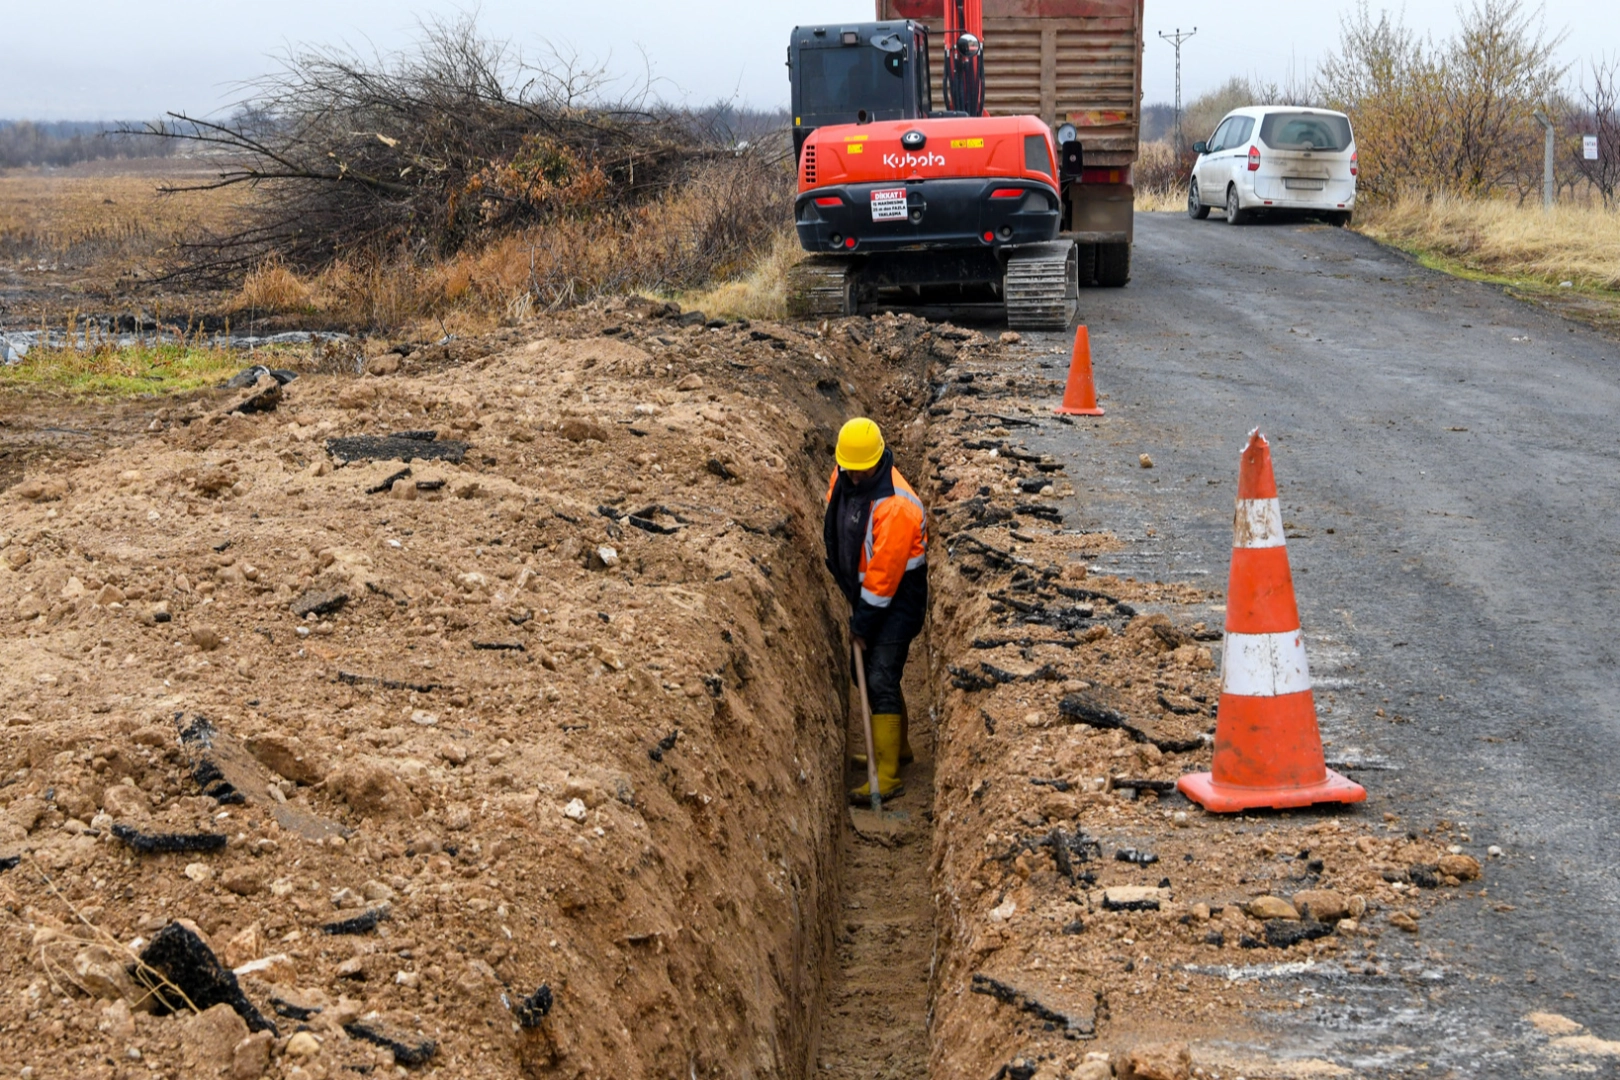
(524, 764)
(526, 757)
(1084, 906)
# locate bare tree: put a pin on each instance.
(1457, 116)
(1499, 69)
(1597, 113)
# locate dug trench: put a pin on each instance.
(522, 751)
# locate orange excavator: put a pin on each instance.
(901, 202)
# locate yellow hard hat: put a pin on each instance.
(860, 445)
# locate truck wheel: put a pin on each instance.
(1235, 214)
(1113, 265)
(1195, 209)
(1087, 272)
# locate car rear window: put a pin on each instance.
(1305, 131)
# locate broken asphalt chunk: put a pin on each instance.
(533, 1009)
(1072, 1026)
(319, 602)
(363, 923)
(249, 376)
(182, 971)
(146, 843)
(405, 1053)
(1139, 858)
(665, 745)
(392, 447)
(1281, 933)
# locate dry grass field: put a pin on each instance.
(106, 220)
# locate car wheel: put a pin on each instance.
(1195, 209)
(1235, 214)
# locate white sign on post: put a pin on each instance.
(1589, 147)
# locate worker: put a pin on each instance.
(876, 532)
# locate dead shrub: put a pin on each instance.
(273, 289)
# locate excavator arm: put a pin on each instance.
(964, 57)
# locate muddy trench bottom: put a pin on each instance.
(875, 1011)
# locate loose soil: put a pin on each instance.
(578, 724)
(570, 726)
(876, 1022)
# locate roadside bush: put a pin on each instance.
(1457, 116)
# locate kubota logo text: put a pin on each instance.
(912, 161)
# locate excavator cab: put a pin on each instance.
(858, 73)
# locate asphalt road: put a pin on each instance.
(1449, 461)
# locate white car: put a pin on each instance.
(1276, 157)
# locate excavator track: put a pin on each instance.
(1042, 288)
(821, 286)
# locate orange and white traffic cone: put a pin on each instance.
(1079, 395)
(1268, 751)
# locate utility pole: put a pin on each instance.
(1549, 190)
(1176, 39)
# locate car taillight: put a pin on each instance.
(1355, 162)
(1254, 159)
(829, 200)
(1007, 193)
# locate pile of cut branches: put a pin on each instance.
(435, 151)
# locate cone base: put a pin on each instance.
(1060, 411)
(1202, 789)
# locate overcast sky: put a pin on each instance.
(106, 59)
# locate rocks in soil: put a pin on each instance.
(178, 959)
(1461, 867)
(208, 1039)
(1403, 920)
(286, 756)
(1156, 1061)
(370, 788)
(1133, 898)
(1271, 907)
(1323, 905)
(261, 395)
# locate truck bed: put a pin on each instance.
(1078, 61)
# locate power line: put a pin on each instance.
(1176, 39)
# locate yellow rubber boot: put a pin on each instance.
(886, 742)
(858, 759)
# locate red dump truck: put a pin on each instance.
(1073, 62)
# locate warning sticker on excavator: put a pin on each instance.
(889, 205)
(967, 144)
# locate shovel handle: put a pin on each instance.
(866, 726)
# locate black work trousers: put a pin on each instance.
(885, 667)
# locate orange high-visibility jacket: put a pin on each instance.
(896, 540)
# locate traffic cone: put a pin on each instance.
(1268, 751)
(1079, 396)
